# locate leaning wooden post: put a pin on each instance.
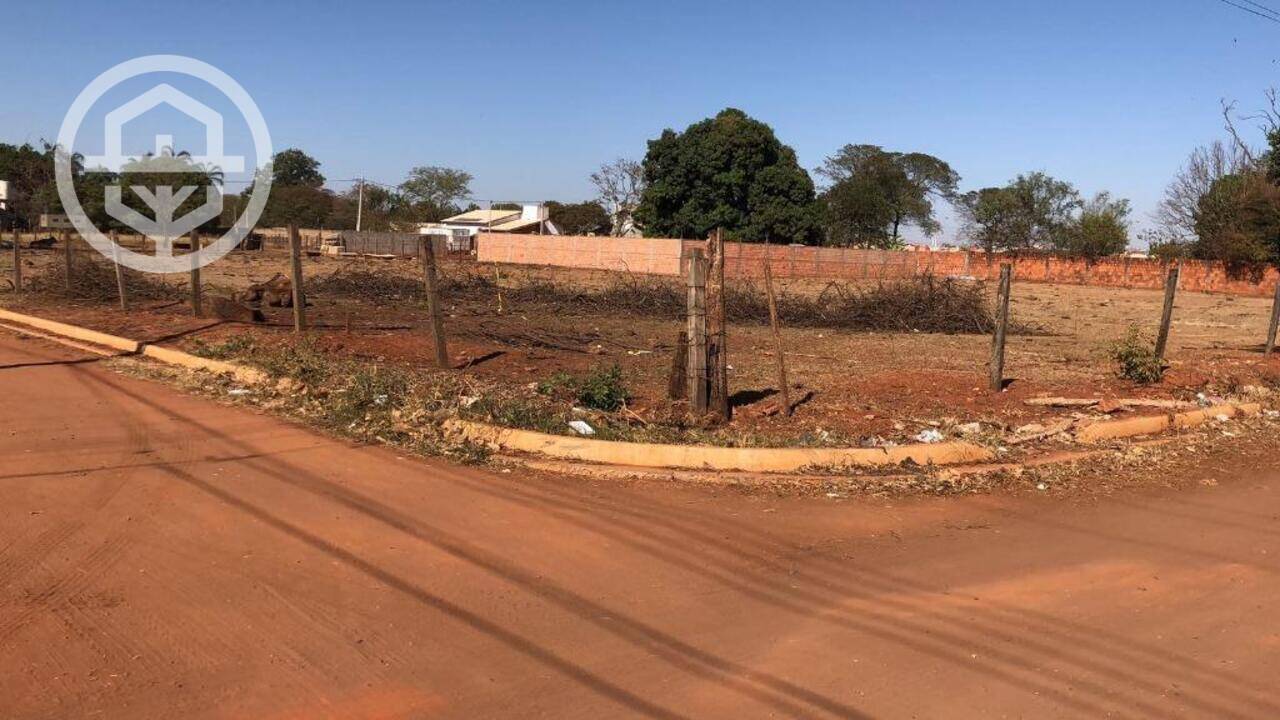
(697, 331)
(1166, 316)
(718, 353)
(17, 262)
(295, 273)
(777, 337)
(1002, 326)
(1275, 322)
(115, 259)
(196, 305)
(66, 257)
(433, 302)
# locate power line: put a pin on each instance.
(1262, 7)
(1272, 18)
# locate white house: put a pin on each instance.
(462, 229)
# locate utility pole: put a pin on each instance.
(359, 203)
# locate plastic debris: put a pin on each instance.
(930, 435)
(581, 427)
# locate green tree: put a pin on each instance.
(874, 193)
(294, 168)
(169, 171)
(584, 218)
(1101, 229)
(433, 193)
(1238, 222)
(1033, 212)
(730, 172)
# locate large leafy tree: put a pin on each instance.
(1238, 221)
(874, 193)
(1101, 229)
(434, 193)
(144, 179)
(584, 218)
(32, 185)
(298, 196)
(1033, 212)
(727, 172)
(294, 168)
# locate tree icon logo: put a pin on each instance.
(168, 187)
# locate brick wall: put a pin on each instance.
(662, 256)
(654, 256)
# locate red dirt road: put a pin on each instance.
(162, 556)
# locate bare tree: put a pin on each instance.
(1268, 120)
(1176, 213)
(619, 185)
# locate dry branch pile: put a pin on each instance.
(924, 304)
(95, 279)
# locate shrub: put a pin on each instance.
(600, 389)
(603, 389)
(303, 361)
(1136, 357)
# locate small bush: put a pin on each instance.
(1136, 356)
(601, 389)
(303, 361)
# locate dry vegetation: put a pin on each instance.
(871, 363)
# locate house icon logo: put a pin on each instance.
(163, 224)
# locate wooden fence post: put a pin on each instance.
(295, 273)
(66, 256)
(697, 331)
(433, 302)
(121, 290)
(196, 304)
(1166, 315)
(777, 336)
(717, 347)
(1275, 322)
(1002, 326)
(678, 381)
(17, 262)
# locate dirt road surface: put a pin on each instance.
(163, 556)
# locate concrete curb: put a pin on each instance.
(133, 347)
(73, 332)
(247, 375)
(699, 457)
(1152, 424)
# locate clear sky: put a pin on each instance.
(531, 97)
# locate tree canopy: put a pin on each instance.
(432, 193)
(294, 168)
(1033, 212)
(874, 193)
(584, 218)
(730, 172)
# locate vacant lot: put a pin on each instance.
(523, 328)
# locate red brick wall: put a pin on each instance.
(663, 256)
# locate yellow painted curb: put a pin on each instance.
(1151, 424)
(700, 457)
(71, 331)
(177, 357)
(155, 352)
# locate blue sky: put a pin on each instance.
(531, 97)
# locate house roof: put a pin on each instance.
(515, 224)
(484, 216)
